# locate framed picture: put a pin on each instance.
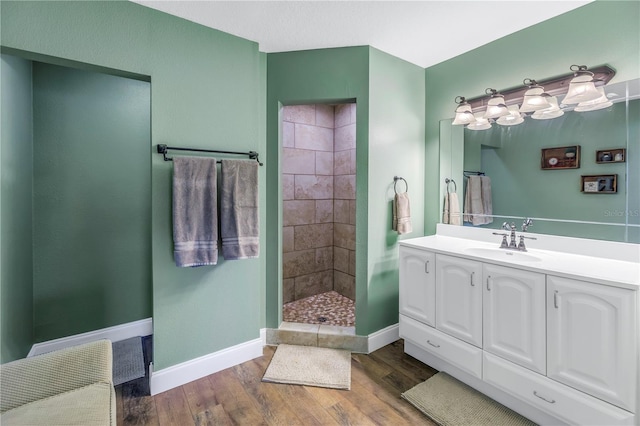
(564, 157)
(599, 184)
(616, 155)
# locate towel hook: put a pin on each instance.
(455, 187)
(395, 182)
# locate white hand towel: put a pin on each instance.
(402, 215)
(445, 210)
(487, 202)
(455, 218)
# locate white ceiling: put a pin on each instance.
(421, 32)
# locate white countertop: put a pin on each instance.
(617, 273)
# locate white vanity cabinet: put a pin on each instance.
(418, 285)
(514, 323)
(459, 298)
(539, 336)
(591, 331)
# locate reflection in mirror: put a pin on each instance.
(567, 191)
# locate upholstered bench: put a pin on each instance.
(71, 386)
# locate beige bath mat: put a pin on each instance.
(450, 402)
(311, 366)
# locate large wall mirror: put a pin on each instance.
(536, 171)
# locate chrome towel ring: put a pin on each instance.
(448, 181)
(395, 182)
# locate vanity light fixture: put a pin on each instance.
(535, 97)
(596, 104)
(496, 106)
(553, 111)
(463, 112)
(582, 87)
(513, 119)
(481, 123)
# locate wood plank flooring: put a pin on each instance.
(237, 396)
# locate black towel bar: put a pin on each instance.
(162, 149)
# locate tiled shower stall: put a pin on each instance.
(318, 179)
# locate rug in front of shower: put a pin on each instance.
(310, 366)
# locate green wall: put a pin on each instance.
(207, 92)
(92, 201)
(602, 32)
(389, 134)
(16, 167)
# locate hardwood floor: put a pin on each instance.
(237, 396)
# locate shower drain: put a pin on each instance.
(322, 319)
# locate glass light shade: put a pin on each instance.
(496, 107)
(553, 111)
(463, 115)
(481, 123)
(513, 119)
(581, 89)
(534, 99)
(596, 104)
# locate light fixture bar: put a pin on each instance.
(552, 86)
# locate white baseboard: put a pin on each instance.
(383, 337)
(177, 375)
(263, 336)
(118, 332)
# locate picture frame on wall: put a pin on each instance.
(615, 155)
(563, 157)
(599, 184)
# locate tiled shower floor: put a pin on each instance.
(332, 306)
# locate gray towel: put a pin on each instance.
(239, 224)
(477, 201)
(195, 220)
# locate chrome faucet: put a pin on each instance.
(511, 227)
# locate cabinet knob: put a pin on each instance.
(426, 267)
(555, 299)
(472, 284)
(433, 344)
(488, 287)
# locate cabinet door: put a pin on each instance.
(514, 325)
(418, 285)
(591, 332)
(459, 298)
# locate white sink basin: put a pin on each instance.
(503, 254)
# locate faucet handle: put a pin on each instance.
(508, 227)
(526, 224)
(504, 243)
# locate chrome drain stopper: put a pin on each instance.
(322, 319)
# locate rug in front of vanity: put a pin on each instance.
(310, 366)
(450, 402)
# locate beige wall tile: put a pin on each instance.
(352, 262)
(344, 284)
(313, 236)
(324, 115)
(341, 259)
(288, 185)
(313, 187)
(352, 212)
(341, 211)
(299, 114)
(298, 212)
(345, 137)
(352, 162)
(298, 161)
(324, 258)
(288, 135)
(298, 263)
(344, 187)
(343, 236)
(341, 162)
(342, 115)
(324, 211)
(288, 290)
(358, 344)
(324, 163)
(314, 137)
(287, 239)
(311, 284)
